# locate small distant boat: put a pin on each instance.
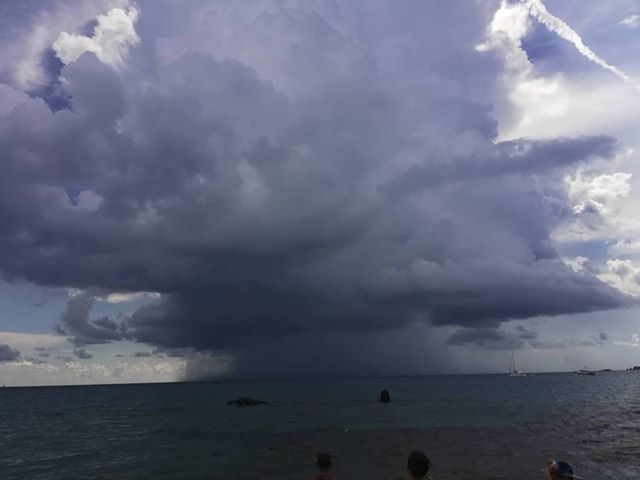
(584, 371)
(513, 371)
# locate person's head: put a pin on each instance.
(417, 465)
(324, 462)
(559, 470)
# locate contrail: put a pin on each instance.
(560, 28)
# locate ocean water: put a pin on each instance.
(475, 426)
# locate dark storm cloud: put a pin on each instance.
(595, 340)
(517, 157)
(8, 354)
(320, 171)
(82, 354)
(81, 330)
(401, 351)
(143, 354)
(489, 338)
(526, 334)
(521, 337)
(52, 92)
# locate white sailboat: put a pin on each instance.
(513, 371)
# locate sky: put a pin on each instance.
(213, 189)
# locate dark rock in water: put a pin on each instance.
(246, 402)
(384, 396)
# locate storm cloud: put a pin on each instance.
(82, 354)
(8, 354)
(75, 322)
(142, 354)
(493, 338)
(322, 170)
(520, 337)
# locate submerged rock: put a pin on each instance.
(384, 396)
(247, 402)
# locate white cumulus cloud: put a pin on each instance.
(631, 21)
(112, 37)
(597, 191)
(623, 274)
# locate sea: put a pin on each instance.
(470, 426)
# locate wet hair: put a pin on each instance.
(564, 470)
(324, 461)
(418, 464)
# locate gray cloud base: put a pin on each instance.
(8, 354)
